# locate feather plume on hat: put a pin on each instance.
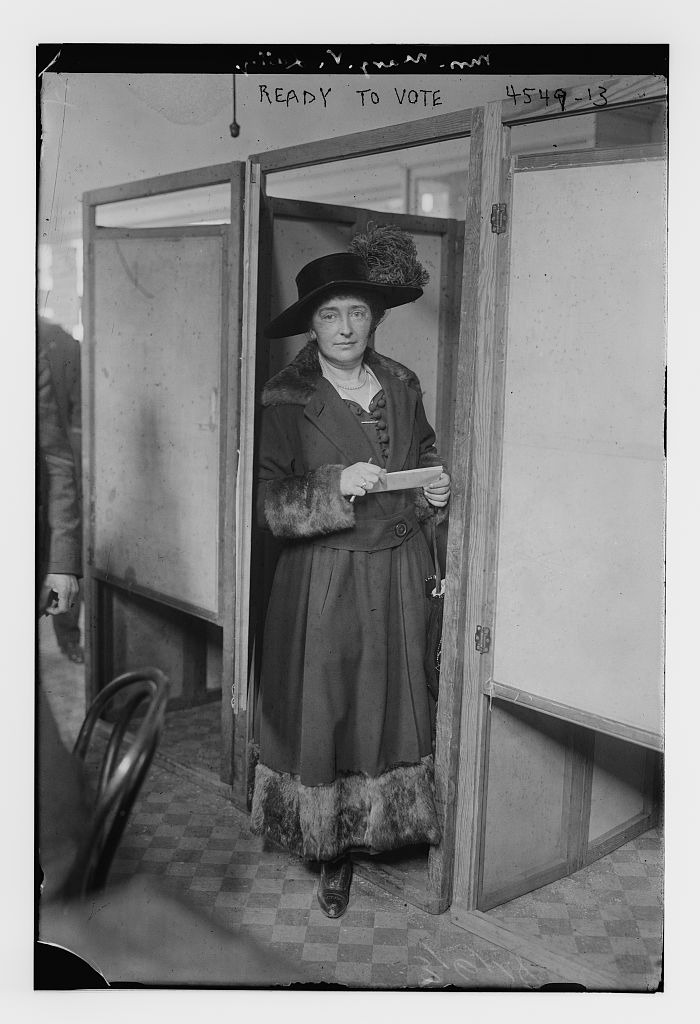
(391, 256)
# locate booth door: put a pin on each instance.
(282, 235)
(572, 626)
(157, 376)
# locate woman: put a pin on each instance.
(343, 720)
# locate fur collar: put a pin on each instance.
(296, 384)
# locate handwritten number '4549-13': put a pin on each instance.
(559, 96)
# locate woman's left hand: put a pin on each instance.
(438, 493)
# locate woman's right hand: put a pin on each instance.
(359, 478)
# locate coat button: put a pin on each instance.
(401, 529)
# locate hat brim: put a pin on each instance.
(294, 319)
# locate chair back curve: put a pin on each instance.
(125, 763)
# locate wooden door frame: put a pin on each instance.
(364, 143)
(480, 375)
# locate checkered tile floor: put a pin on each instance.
(610, 912)
(200, 847)
(193, 737)
(187, 834)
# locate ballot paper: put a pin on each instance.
(408, 478)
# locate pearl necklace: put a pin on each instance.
(354, 387)
(347, 387)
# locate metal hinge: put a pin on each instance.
(482, 639)
(499, 218)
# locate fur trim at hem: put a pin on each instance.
(381, 813)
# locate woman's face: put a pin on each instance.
(342, 325)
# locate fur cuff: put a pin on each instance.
(308, 506)
(379, 813)
(425, 511)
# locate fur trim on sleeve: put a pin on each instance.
(424, 510)
(308, 506)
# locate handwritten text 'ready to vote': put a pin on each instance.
(366, 97)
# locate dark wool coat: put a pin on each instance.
(343, 719)
(58, 508)
(63, 354)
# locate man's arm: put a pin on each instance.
(59, 497)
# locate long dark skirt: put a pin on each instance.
(343, 712)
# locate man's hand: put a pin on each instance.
(66, 589)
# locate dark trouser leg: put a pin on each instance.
(63, 800)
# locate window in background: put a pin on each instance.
(435, 197)
(383, 182)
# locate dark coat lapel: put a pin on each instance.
(301, 383)
(329, 414)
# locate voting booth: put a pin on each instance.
(540, 346)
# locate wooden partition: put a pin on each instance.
(556, 796)
(160, 381)
(574, 601)
(567, 500)
(156, 483)
(579, 591)
(537, 763)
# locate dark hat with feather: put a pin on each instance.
(383, 260)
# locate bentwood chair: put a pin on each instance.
(124, 765)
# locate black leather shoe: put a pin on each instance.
(334, 887)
